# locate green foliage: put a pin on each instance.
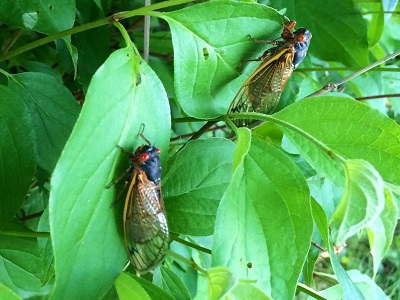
(249, 210)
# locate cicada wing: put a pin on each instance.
(268, 86)
(145, 224)
(261, 91)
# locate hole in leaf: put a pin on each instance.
(138, 79)
(206, 55)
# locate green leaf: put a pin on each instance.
(123, 94)
(376, 21)
(349, 128)
(245, 290)
(307, 275)
(242, 147)
(265, 215)
(68, 55)
(220, 280)
(333, 40)
(321, 221)
(215, 283)
(93, 48)
(209, 43)
(195, 180)
(320, 234)
(350, 290)
(21, 266)
(362, 202)
(380, 232)
(7, 293)
(186, 272)
(369, 289)
(128, 288)
(326, 193)
(53, 110)
(152, 290)
(45, 16)
(173, 284)
(17, 159)
(319, 156)
(46, 248)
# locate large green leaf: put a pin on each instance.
(362, 202)
(194, 182)
(336, 28)
(17, 149)
(349, 128)
(210, 40)
(380, 232)
(53, 110)
(21, 266)
(46, 16)
(85, 229)
(265, 215)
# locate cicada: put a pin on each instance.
(262, 90)
(146, 232)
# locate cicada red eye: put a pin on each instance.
(158, 150)
(144, 157)
(302, 38)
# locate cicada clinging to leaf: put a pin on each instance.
(262, 90)
(146, 232)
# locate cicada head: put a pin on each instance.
(302, 37)
(147, 158)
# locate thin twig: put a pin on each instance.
(175, 237)
(14, 39)
(309, 291)
(331, 86)
(32, 216)
(146, 40)
(377, 97)
(188, 135)
(190, 263)
(202, 130)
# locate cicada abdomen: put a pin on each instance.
(262, 90)
(146, 232)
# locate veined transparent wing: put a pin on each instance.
(145, 224)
